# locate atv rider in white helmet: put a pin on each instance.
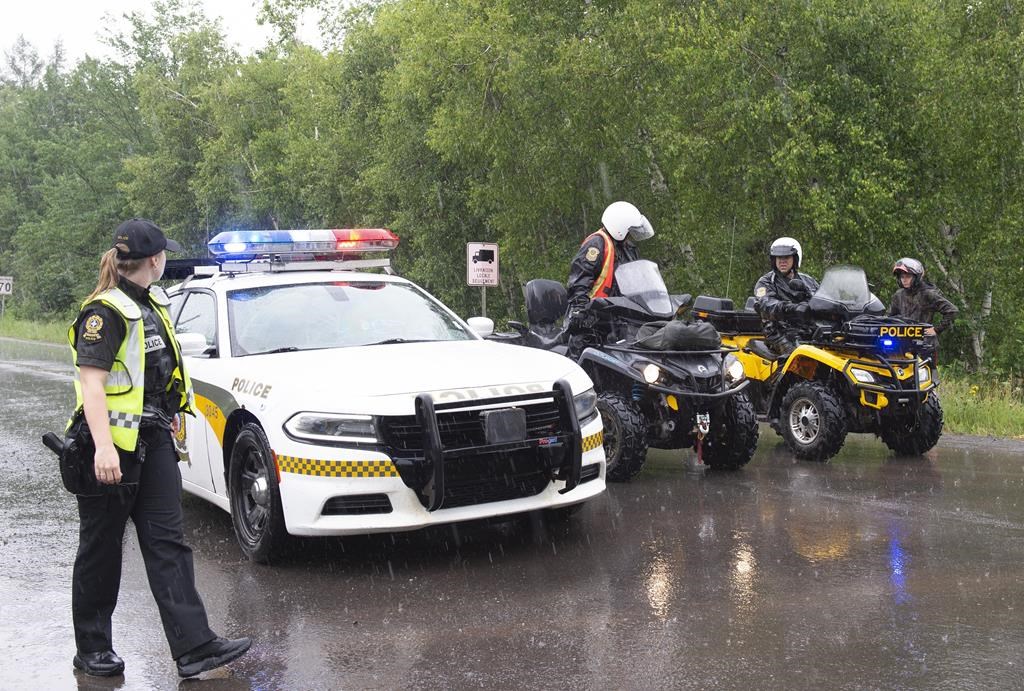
(592, 274)
(782, 295)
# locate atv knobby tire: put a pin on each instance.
(914, 436)
(733, 437)
(625, 436)
(813, 422)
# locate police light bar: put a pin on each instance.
(320, 244)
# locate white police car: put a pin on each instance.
(333, 402)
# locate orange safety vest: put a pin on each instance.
(603, 284)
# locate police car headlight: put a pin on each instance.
(331, 427)
(585, 404)
(733, 369)
(861, 375)
(651, 373)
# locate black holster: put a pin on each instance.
(76, 456)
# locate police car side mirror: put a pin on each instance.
(191, 344)
(481, 326)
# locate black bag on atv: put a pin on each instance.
(678, 335)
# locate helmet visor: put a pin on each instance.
(644, 231)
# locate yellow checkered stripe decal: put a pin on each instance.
(593, 441)
(310, 466)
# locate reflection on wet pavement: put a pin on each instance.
(867, 572)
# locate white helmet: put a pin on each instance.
(786, 247)
(622, 218)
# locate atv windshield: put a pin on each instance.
(846, 286)
(641, 282)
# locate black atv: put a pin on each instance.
(660, 382)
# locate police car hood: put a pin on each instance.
(385, 379)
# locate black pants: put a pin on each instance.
(150, 493)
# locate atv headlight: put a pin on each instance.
(923, 375)
(733, 369)
(585, 404)
(651, 373)
(862, 375)
(332, 427)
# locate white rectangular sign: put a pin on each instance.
(482, 263)
(6, 284)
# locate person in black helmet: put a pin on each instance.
(782, 295)
(917, 300)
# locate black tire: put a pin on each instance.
(255, 498)
(625, 436)
(912, 437)
(732, 440)
(813, 422)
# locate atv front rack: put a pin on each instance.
(658, 354)
(891, 365)
(565, 447)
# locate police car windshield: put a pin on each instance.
(846, 285)
(338, 314)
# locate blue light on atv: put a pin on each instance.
(888, 344)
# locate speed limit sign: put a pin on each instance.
(6, 284)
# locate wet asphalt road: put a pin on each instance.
(867, 572)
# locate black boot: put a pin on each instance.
(211, 655)
(102, 664)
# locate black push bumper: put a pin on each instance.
(564, 448)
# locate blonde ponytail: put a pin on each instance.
(110, 270)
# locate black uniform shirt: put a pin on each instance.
(588, 262)
(101, 330)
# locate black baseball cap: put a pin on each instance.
(138, 238)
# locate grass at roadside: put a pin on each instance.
(51, 332)
(982, 404)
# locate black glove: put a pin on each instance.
(575, 320)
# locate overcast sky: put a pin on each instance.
(78, 23)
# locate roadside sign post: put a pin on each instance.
(6, 286)
(482, 268)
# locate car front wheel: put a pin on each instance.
(255, 498)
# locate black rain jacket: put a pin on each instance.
(920, 303)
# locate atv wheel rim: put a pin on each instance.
(804, 421)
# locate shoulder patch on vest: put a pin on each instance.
(592, 254)
(761, 292)
(93, 326)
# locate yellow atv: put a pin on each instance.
(854, 370)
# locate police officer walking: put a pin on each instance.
(592, 274)
(782, 295)
(131, 382)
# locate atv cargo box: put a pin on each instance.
(722, 315)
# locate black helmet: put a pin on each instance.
(910, 266)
